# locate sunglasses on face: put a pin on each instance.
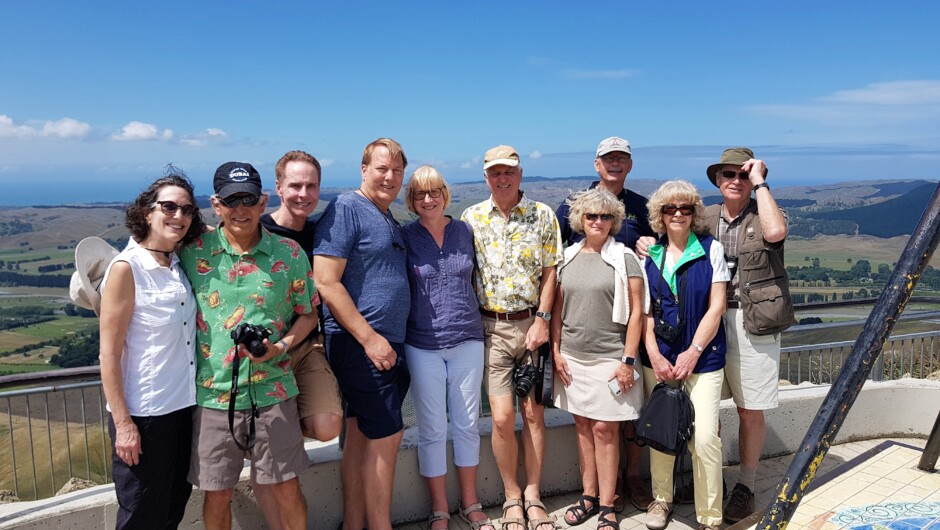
(419, 195)
(607, 217)
(730, 175)
(169, 208)
(671, 209)
(234, 201)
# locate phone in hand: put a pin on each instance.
(614, 386)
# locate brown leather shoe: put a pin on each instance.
(740, 505)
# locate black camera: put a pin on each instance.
(665, 330)
(252, 337)
(524, 375)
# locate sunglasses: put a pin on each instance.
(169, 208)
(419, 195)
(619, 159)
(234, 201)
(607, 217)
(671, 209)
(730, 175)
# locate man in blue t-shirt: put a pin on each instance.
(359, 266)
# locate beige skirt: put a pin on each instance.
(590, 397)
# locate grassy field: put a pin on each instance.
(835, 251)
(68, 452)
(58, 328)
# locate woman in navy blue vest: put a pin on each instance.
(685, 341)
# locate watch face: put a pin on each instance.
(543, 315)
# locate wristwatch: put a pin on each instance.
(543, 315)
(628, 360)
(762, 185)
(697, 347)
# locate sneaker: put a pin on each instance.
(740, 505)
(707, 527)
(657, 515)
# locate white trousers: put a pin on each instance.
(705, 446)
(441, 381)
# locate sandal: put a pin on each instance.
(580, 511)
(505, 520)
(604, 511)
(438, 516)
(535, 523)
(475, 525)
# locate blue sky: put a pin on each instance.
(96, 97)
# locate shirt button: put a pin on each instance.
(187, 343)
(190, 363)
(182, 303)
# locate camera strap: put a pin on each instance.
(658, 303)
(233, 395)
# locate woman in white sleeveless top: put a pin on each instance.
(148, 325)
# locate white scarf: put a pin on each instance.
(613, 254)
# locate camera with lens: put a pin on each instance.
(665, 330)
(524, 375)
(252, 337)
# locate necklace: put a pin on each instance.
(164, 252)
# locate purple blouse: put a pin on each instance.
(445, 311)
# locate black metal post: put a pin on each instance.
(928, 460)
(856, 369)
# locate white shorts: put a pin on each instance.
(752, 367)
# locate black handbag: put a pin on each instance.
(667, 422)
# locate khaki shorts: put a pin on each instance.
(277, 456)
(752, 365)
(315, 379)
(503, 345)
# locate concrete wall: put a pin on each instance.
(905, 408)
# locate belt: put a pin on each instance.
(733, 304)
(518, 315)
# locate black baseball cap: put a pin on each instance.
(236, 177)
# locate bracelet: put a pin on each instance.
(697, 347)
(762, 185)
(284, 345)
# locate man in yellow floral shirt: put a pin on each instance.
(241, 273)
(518, 245)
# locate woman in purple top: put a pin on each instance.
(444, 345)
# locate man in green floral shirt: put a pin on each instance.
(518, 245)
(241, 273)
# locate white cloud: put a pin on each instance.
(876, 104)
(536, 155)
(472, 163)
(327, 162)
(139, 131)
(598, 74)
(891, 93)
(64, 128)
(211, 135)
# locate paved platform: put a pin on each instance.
(867, 485)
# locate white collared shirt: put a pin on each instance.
(158, 364)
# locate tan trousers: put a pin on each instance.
(705, 392)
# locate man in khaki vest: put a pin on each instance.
(752, 231)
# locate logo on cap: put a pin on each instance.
(238, 174)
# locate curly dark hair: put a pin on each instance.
(135, 216)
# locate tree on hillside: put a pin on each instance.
(861, 268)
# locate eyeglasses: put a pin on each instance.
(743, 175)
(394, 233)
(671, 209)
(419, 195)
(235, 200)
(169, 208)
(606, 217)
(619, 159)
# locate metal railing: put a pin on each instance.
(914, 355)
(54, 432)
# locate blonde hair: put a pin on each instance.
(426, 178)
(394, 151)
(676, 192)
(595, 200)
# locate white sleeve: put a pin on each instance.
(720, 272)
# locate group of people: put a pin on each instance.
(212, 353)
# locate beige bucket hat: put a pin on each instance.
(92, 257)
